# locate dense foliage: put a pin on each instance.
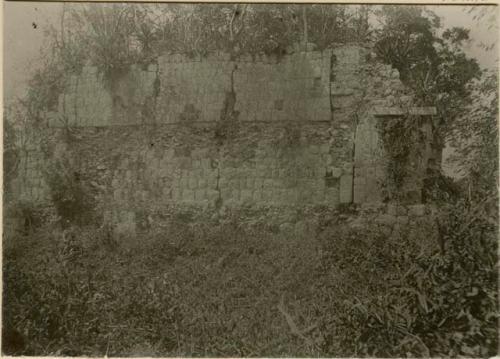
(430, 60)
(475, 136)
(225, 290)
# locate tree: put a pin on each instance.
(434, 66)
(475, 136)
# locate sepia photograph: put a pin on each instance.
(250, 180)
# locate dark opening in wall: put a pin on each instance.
(330, 180)
(190, 113)
(317, 82)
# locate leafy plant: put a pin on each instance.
(412, 298)
(403, 141)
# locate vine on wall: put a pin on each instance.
(403, 140)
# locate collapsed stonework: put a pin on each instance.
(211, 132)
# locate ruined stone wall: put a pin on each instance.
(262, 131)
(179, 89)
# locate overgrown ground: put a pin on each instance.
(225, 290)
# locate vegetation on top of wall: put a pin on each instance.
(431, 61)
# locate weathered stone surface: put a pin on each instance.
(386, 230)
(396, 210)
(403, 220)
(346, 189)
(287, 227)
(386, 219)
(416, 210)
(334, 172)
(284, 145)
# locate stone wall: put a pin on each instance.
(290, 131)
(179, 89)
(28, 184)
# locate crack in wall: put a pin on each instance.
(356, 123)
(156, 89)
(222, 131)
(218, 201)
(228, 113)
(75, 105)
(331, 79)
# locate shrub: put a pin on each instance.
(197, 288)
(191, 289)
(72, 198)
(411, 299)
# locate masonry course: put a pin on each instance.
(299, 130)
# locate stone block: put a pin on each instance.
(277, 196)
(223, 182)
(287, 227)
(392, 209)
(346, 188)
(334, 172)
(386, 230)
(226, 193)
(359, 189)
(188, 195)
(396, 210)
(235, 194)
(246, 195)
(192, 183)
(267, 173)
(347, 168)
(166, 192)
(328, 159)
(117, 194)
(314, 149)
(268, 183)
(202, 183)
(403, 220)
(233, 183)
(386, 220)
(126, 225)
(325, 148)
(250, 182)
(331, 196)
(200, 195)
(206, 163)
(258, 183)
(198, 173)
(176, 194)
(212, 195)
(211, 181)
(196, 163)
(416, 210)
(267, 195)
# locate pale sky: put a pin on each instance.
(23, 40)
